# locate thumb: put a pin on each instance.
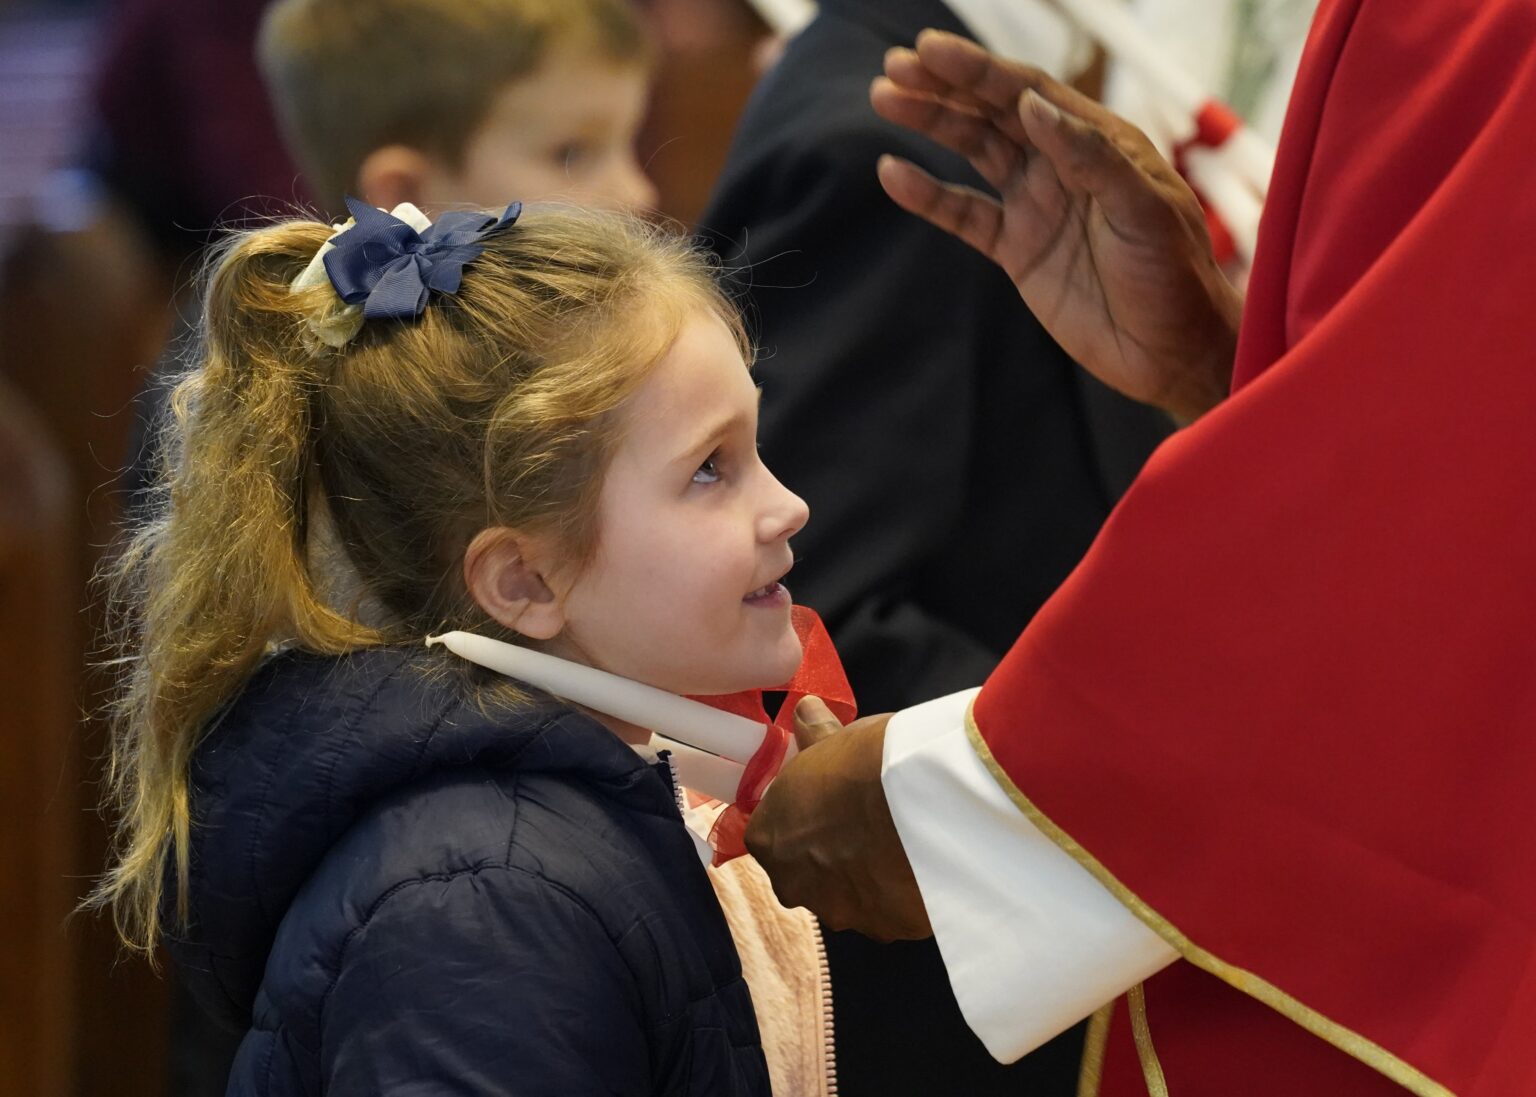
(813, 722)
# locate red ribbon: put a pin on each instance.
(1214, 124)
(820, 675)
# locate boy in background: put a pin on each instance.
(449, 103)
(445, 104)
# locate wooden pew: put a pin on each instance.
(38, 656)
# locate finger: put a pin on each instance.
(913, 109)
(974, 217)
(906, 70)
(998, 158)
(1069, 99)
(1087, 159)
(965, 67)
(882, 89)
(990, 80)
(814, 722)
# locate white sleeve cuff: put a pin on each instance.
(1031, 941)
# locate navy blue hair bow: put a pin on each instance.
(388, 267)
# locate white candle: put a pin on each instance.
(690, 722)
(702, 771)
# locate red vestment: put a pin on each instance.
(1286, 707)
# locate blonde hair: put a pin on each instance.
(497, 407)
(347, 77)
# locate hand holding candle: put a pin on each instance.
(718, 750)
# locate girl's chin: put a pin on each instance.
(771, 672)
(787, 663)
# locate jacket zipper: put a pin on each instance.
(823, 968)
(828, 1036)
(677, 786)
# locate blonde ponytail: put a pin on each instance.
(495, 407)
(209, 583)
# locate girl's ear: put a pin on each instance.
(504, 571)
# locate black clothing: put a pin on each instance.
(395, 892)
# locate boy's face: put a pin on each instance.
(693, 535)
(565, 131)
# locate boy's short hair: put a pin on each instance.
(347, 77)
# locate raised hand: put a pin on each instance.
(1105, 241)
(824, 833)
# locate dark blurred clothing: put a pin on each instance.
(185, 135)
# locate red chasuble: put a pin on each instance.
(1286, 707)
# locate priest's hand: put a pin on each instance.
(824, 833)
(1105, 241)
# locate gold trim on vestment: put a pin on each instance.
(1090, 1076)
(1151, 1069)
(1346, 1040)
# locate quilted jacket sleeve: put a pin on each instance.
(486, 981)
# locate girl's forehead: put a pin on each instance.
(698, 386)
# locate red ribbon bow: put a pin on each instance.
(820, 675)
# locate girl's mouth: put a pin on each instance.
(774, 594)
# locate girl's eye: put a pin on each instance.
(709, 471)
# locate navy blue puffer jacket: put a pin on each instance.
(394, 893)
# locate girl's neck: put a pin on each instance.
(632, 734)
(565, 647)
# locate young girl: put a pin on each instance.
(397, 875)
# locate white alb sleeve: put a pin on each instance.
(1031, 941)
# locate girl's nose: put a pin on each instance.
(783, 515)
